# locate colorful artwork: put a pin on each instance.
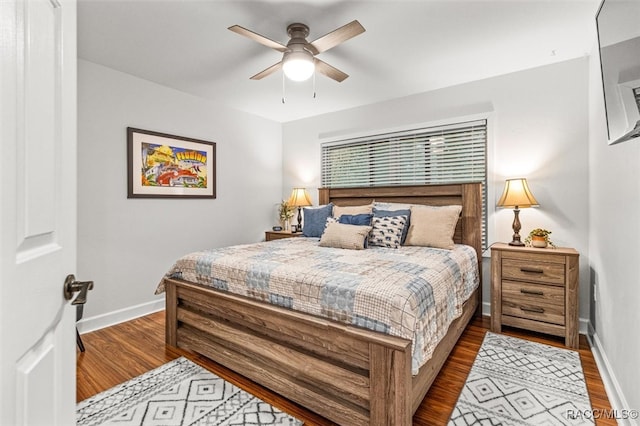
(173, 166)
(164, 166)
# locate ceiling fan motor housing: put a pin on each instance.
(298, 34)
(298, 30)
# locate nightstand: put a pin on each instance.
(277, 235)
(535, 289)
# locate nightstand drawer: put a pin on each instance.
(539, 272)
(535, 307)
(533, 294)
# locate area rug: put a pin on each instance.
(518, 382)
(178, 393)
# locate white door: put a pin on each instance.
(38, 214)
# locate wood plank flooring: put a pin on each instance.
(119, 353)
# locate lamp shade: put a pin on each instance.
(299, 198)
(517, 194)
(298, 65)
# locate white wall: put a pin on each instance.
(538, 130)
(614, 229)
(126, 245)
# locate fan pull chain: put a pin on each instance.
(283, 101)
(314, 84)
(284, 87)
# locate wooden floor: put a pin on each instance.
(119, 353)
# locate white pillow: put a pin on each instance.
(382, 205)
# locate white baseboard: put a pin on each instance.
(583, 327)
(87, 325)
(612, 387)
(486, 309)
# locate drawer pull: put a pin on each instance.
(536, 309)
(531, 292)
(532, 270)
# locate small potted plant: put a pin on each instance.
(539, 238)
(285, 213)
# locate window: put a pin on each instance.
(435, 155)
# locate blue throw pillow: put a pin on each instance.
(356, 219)
(315, 220)
(402, 212)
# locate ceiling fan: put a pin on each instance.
(298, 59)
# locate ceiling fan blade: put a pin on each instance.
(338, 36)
(267, 72)
(331, 72)
(257, 37)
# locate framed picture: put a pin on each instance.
(168, 166)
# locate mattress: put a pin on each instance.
(410, 292)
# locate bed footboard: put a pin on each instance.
(346, 374)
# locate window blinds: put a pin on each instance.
(435, 155)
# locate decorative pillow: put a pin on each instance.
(402, 212)
(341, 235)
(356, 219)
(339, 211)
(315, 219)
(433, 226)
(382, 205)
(387, 231)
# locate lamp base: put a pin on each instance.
(299, 227)
(516, 229)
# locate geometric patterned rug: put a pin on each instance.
(518, 382)
(178, 393)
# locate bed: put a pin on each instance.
(348, 374)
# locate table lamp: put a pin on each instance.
(517, 194)
(299, 198)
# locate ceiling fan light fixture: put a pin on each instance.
(298, 66)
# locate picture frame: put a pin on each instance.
(161, 165)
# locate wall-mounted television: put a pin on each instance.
(618, 24)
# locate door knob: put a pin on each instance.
(72, 286)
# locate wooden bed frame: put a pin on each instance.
(349, 375)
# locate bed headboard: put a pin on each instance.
(468, 195)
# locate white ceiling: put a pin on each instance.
(408, 47)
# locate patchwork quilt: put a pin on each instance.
(409, 292)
